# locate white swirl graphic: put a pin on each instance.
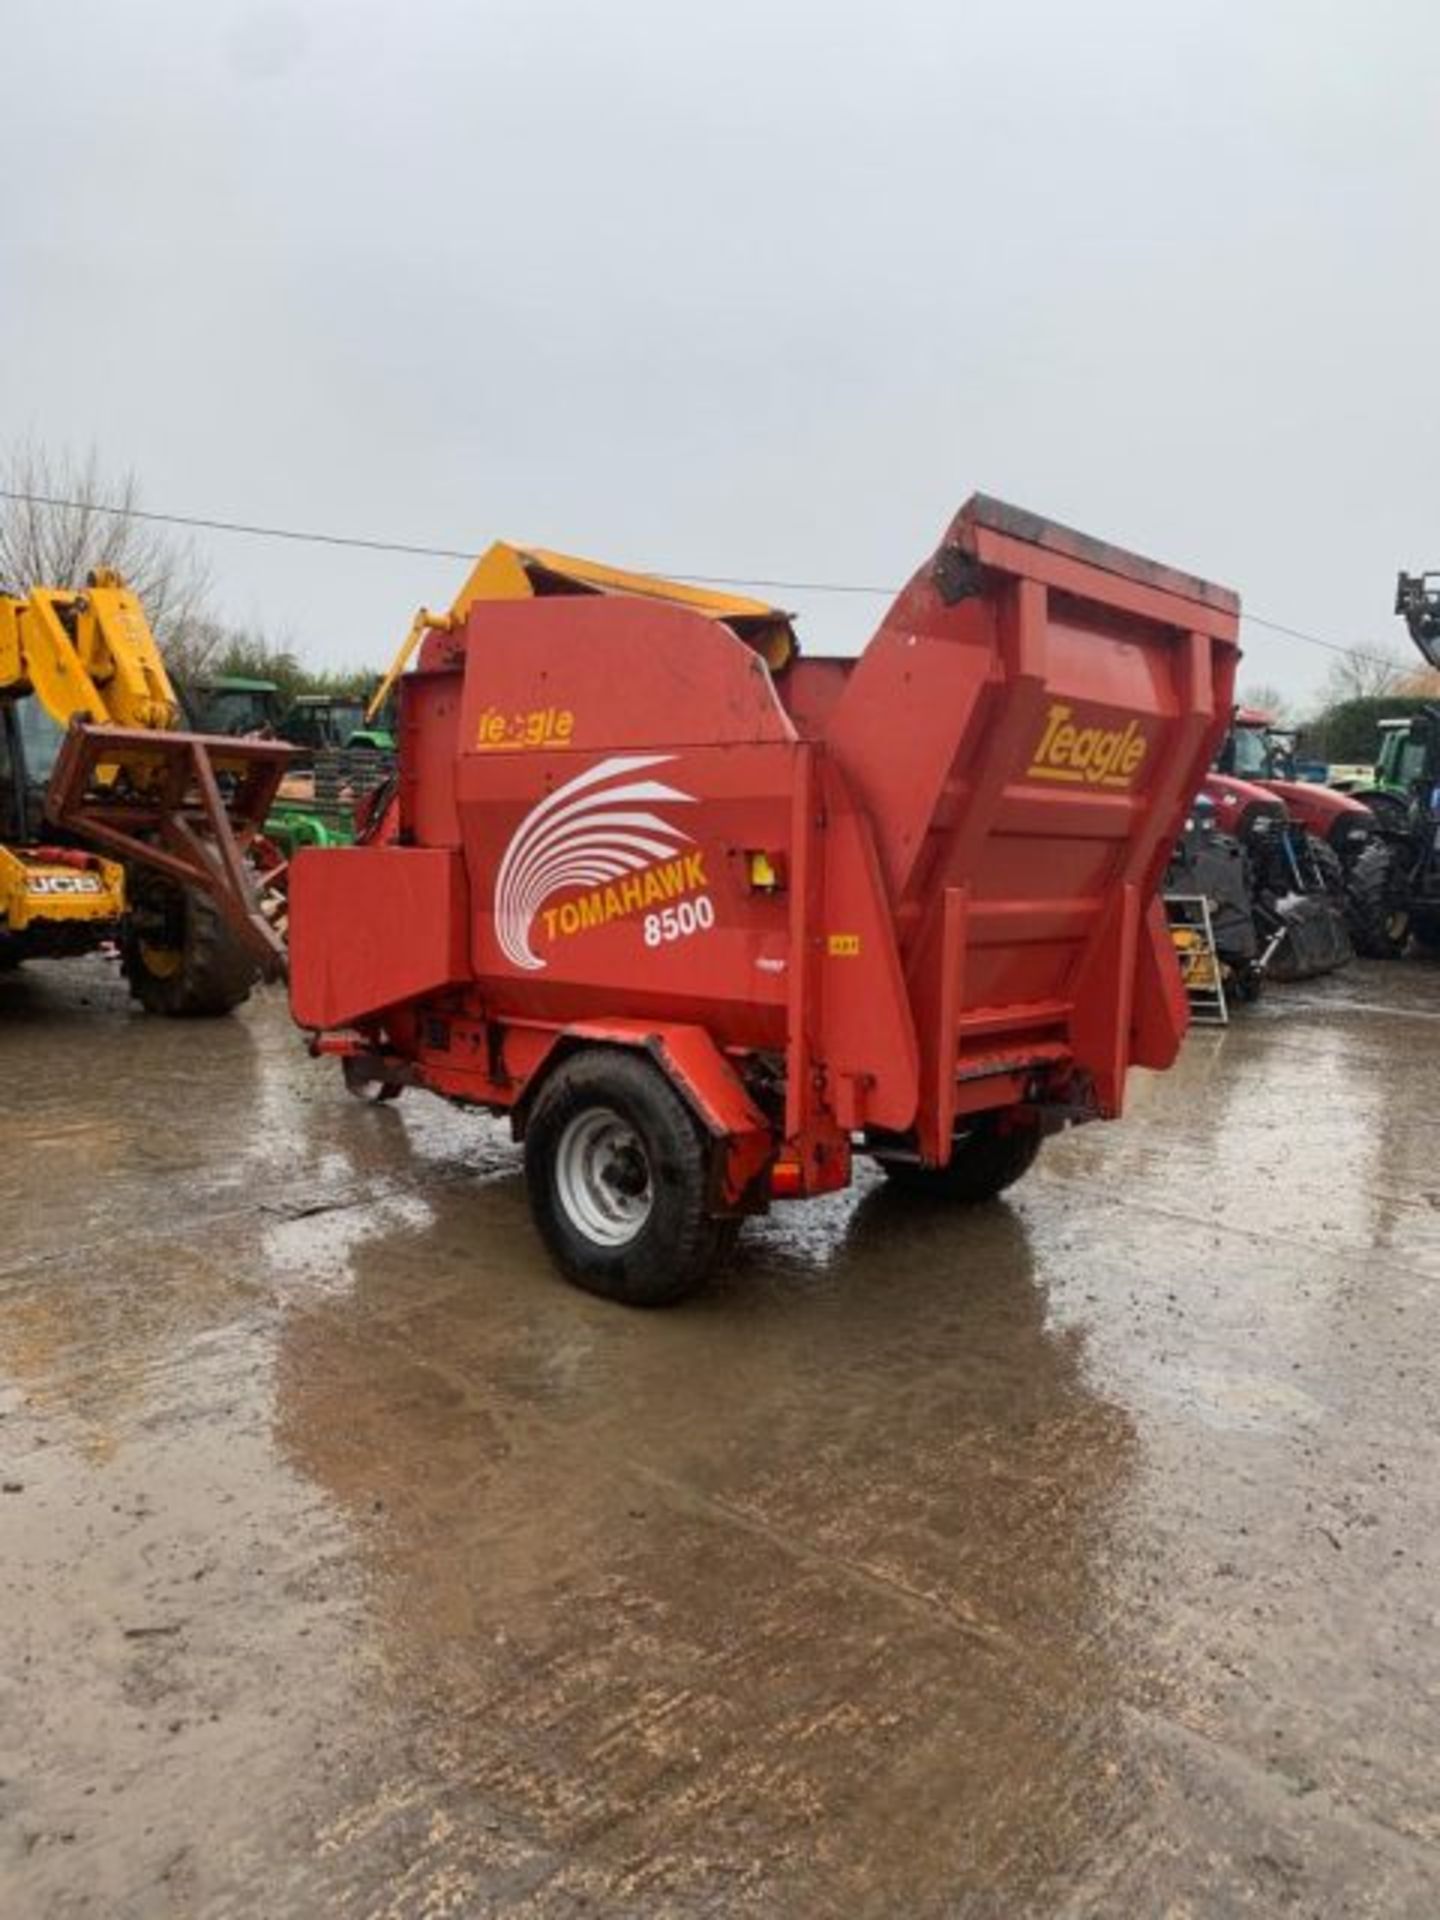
(592, 830)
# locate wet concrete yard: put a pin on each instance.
(1075, 1556)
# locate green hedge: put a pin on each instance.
(1349, 732)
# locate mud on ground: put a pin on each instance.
(1075, 1557)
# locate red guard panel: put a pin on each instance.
(400, 914)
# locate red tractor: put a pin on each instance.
(1317, 864)
(1261, 752)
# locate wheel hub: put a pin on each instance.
(602, 1177)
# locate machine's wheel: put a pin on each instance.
(615, 1164)
(1425, 925)
(1244, 983)
(1390, 809)
(178, 955)
(364, 1087)
(1329, 865)
(983, 1162)
(1379, 925)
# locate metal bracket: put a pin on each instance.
(153, 798)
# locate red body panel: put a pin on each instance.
(1320, 810)
(899, 891)
(1331, 816)
(1235, 800)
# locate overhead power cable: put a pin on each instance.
(308, 536)
(304, 536)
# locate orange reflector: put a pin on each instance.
(338, 1044)
(785, 1180)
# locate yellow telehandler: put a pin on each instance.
(116, 825)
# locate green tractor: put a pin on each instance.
(1399, 765)
(1405, 800)
(1405, 797)
(344, 756)
(317, 721)
(234, 704)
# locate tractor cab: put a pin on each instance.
(30, 742)
(319, 721)
(1260, 753)
(1256, 748)
(233, 704)
(1409, 756)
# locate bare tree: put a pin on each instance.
(1266, 698)
(1365, 676)
(62, 514)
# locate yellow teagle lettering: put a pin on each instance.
(1091, 756)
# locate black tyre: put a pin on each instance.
(365, 1087)
(1425, 925)
(983, 1162)
(1392, 810)
(179, 957)
(615, 1165)
(1379, 925)
(1329, 865)
(1244, 984)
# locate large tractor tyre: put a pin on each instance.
(179, 957)
(615, 1166)
(1379, 926)
(1425, 925)
(1328, 865)
(1392, 810)
(983, 1163)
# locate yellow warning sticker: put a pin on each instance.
(844, 946)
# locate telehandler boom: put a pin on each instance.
(115, 824)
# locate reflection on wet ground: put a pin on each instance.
(1068, 1557)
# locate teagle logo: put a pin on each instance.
(600, 831)
(1087, 756)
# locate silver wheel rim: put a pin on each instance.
(602, 1177)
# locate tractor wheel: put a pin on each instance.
(1425, 925)
(982, 1163)
(616, 1167)
(179, 957)
(1329, 865)
(1379, 926)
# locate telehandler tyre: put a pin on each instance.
(1379, 927)
(983, 1163)
(179, 957)
(616, 1166)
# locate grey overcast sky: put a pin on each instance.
(759, 288)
